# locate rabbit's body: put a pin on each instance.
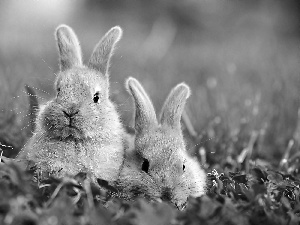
(159, 166)
(86, 146)
(71, 157)
(79, 130)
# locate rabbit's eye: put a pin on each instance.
(183, 167)
(145, 165)
(96, 97)
(58, 91)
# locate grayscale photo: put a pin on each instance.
(162, 112)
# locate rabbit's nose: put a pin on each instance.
(71, 113)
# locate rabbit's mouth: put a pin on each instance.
(67, 133)
(64, 129)
(71, 131)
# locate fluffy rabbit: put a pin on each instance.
(159, 167)
(79, 130)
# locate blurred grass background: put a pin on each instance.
(240, 58)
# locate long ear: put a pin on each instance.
(173, 107)
(144, 111)
(68, 47)
(102, 53)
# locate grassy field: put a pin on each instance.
(241, 60)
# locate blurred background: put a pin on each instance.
(240, 58)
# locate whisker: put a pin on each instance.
(38, 89)
(49, 67)
(125, 102)
(13, 111)
(15, 97)
(28, 114)
(30, 95)
(5, 146)
(209, 139)
(28, 124)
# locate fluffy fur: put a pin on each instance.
(172, 175)
(79, 130)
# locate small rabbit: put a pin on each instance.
(159, 166)
(79, 130)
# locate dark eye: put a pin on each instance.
(183, 167)
(58, 90)
(96, 97)
(145, 165)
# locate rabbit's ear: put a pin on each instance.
(173, 107)
(103, 51)
(144, 111)
(68, 47)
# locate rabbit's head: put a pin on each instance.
(164, 168)
(82, 97)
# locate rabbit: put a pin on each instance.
(159, 166)
(79, 130)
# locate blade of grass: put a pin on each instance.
(284, 161)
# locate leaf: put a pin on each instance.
(106, 185)
(144, 213)
(80, 177)
(230, 214)
(208, 207)
(259, 174)
(275, 177)
(247, 192)
(258, 189)
(285, 202)
(60, 212)
(99, 215)
(240, 179)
